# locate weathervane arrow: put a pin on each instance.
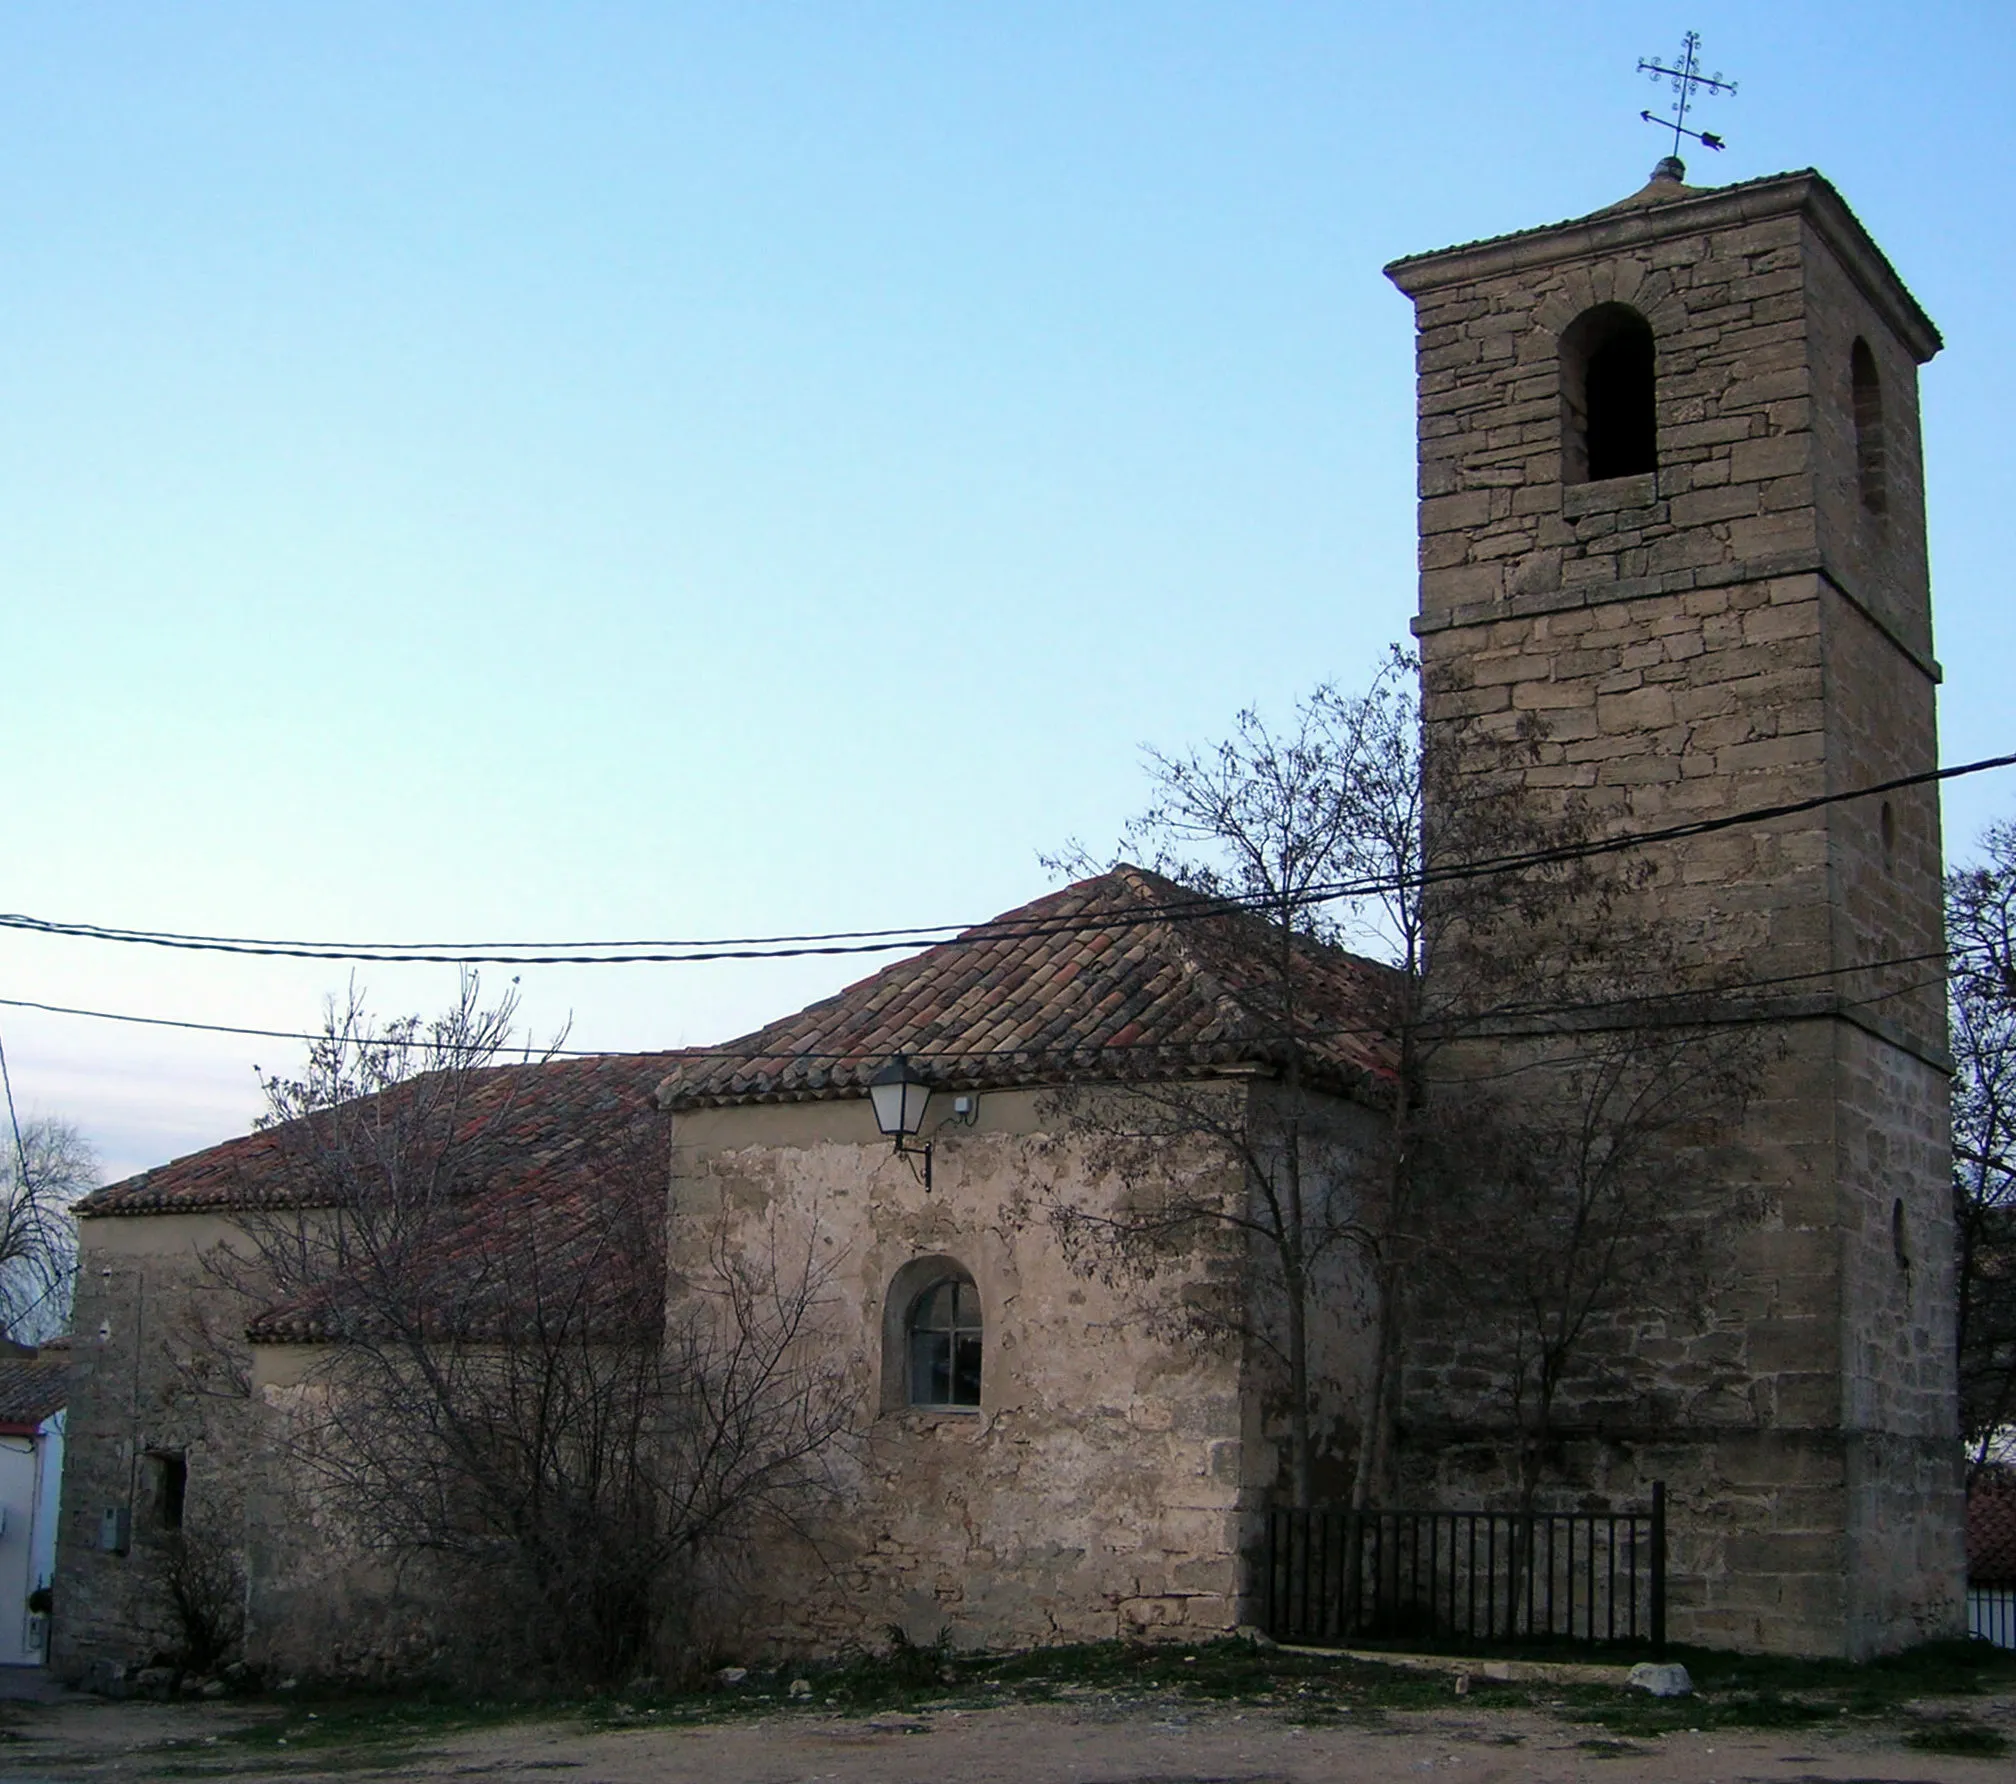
(1686, 79)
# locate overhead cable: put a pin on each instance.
(1678, 998)
(1190, 907)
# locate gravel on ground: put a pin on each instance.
(84, 1741)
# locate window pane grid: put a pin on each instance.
(945, 1345)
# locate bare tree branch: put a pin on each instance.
(39, 1185)
(505, 1385)
(1315, 1193)
(1981, 931)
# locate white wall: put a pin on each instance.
(31, 1470)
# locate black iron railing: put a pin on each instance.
(1991, 1613)
(1466, 1576)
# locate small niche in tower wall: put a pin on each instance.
(170, 1469)
(1887, 823)
(1609, 425)
(1899, 1246)
(1866, 392)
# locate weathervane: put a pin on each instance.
(1685, 79)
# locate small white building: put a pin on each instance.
(33, 1389)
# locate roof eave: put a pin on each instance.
(1806, 193)
(1357, 1082)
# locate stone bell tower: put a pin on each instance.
(1672, 508)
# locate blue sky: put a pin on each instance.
(608, 470)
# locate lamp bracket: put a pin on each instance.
(913, 1154)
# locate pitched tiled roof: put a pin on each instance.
(1991, 1527)
(533, 1128)
(565, 1254)
(1413, 272)
(535, 1205)
(1655, 192)
(1124, 976)
(31, 1388)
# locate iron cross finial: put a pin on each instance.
(1686, 78)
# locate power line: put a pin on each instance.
(878, 941)
(1758, 814)
(1676, 998)
(261, 1034)
(26, 1188)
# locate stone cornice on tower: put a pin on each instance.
(1664, 209)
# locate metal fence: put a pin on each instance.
(1991, 1614)
(1466, 1576)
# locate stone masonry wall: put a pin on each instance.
(1106, 1485)
(1731, 631)
(162, 1369)
(1880, 559)
(321, 1601)
(153, 1377)
(1735, 476)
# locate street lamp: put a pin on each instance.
(900, 1095)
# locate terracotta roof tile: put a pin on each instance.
(538, 1124)
(1991, 1527)
(31, 1388)
(517, 1252)
(1124, 975)
(1658, 192)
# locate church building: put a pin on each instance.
(1672, 531)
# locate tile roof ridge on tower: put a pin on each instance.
(1633, 201)
(1666, 209)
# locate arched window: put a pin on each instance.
(943, 1341)
(1866, 392)
(1608, 421)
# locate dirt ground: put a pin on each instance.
(78, 1739)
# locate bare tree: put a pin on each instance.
(1263, 827)
(203, 1578)
(1246, 1183)
(507, 1391)
(1496, 928)
(44, 1168)
(1981, 931)
(1563, 1218)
